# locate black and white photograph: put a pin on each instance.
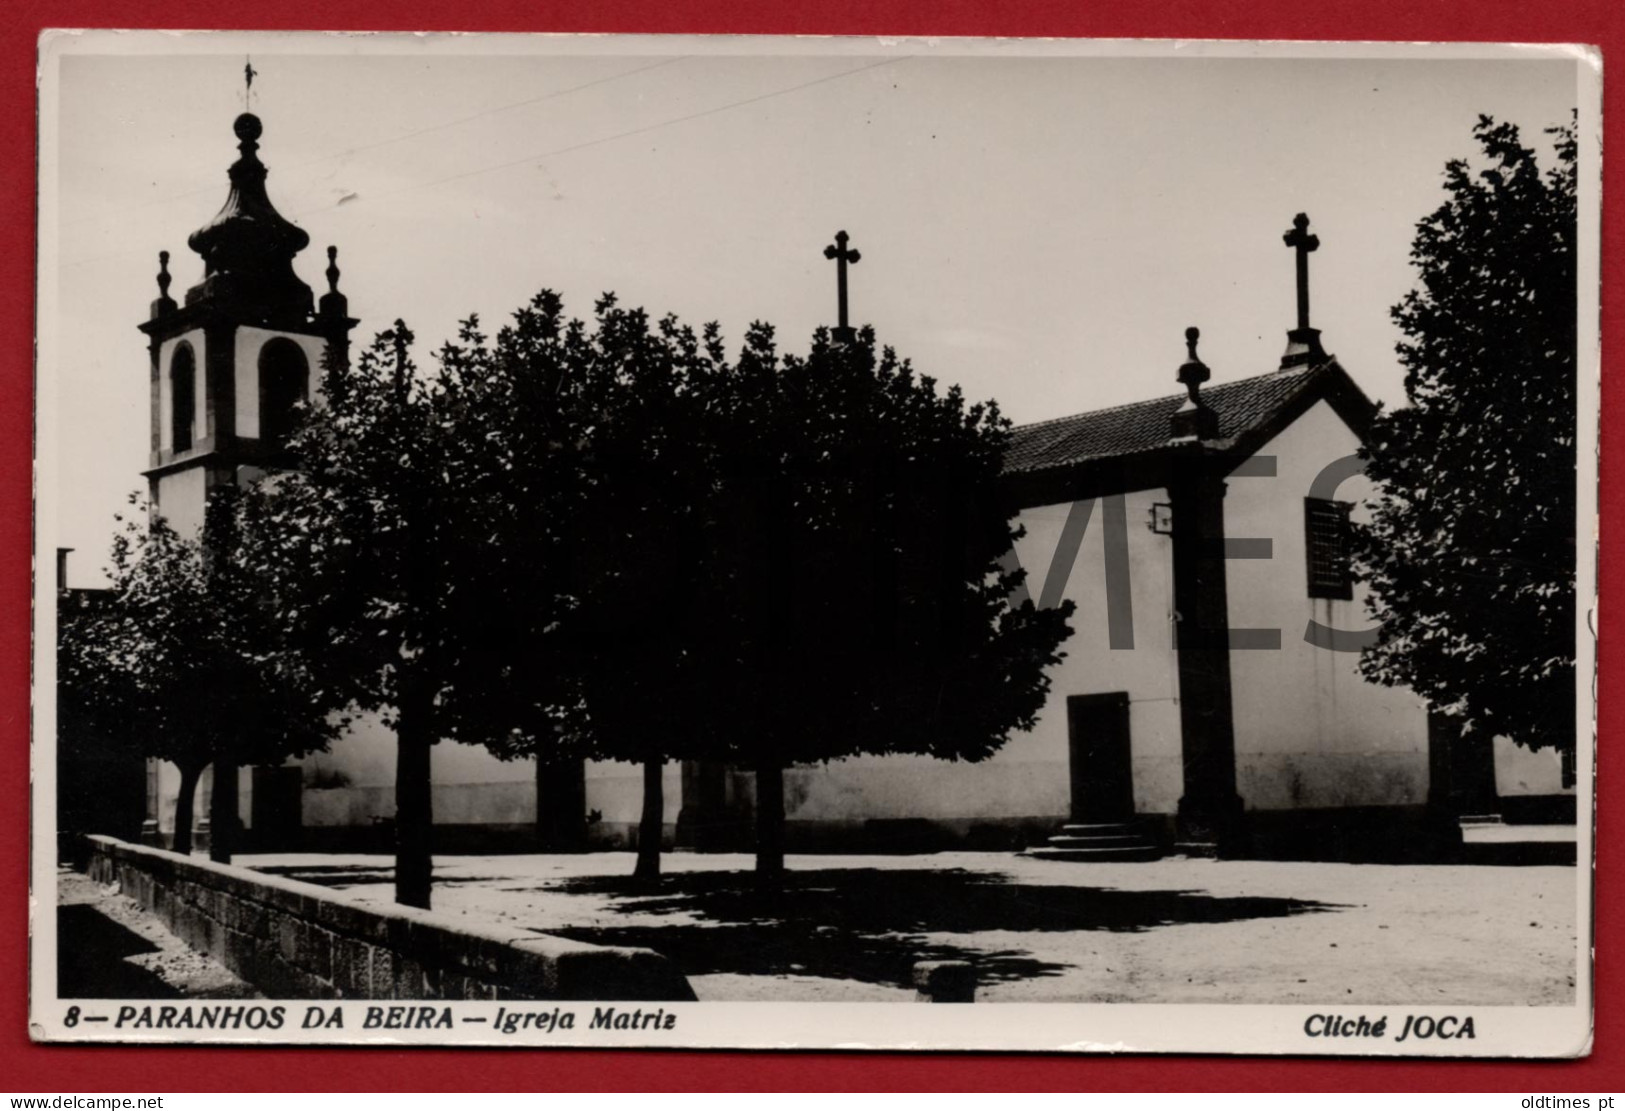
(728, 542)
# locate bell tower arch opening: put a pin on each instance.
(182, 398)
(284, 386)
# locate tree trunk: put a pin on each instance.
(183, 808)
(223, 820)
(769, 821)
(414, 807)
(652, 826)
(561, 805)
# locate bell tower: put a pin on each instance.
(230, 365)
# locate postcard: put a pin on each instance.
(732, 542)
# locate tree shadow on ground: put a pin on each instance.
(91, 952)
(802, 949)
(868, 924)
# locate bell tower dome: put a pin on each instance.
(231, 366)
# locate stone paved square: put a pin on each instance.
(1171, 931)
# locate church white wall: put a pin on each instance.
(1518, 771)
(181, 496)
(249, 341)
(1030, 777)
(353, 784)
(1310, 731)
(169, 790)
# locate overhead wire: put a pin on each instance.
(349, 152)
(618, 135)
(730, 106)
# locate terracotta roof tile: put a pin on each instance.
(1143, 425)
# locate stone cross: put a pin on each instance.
(1302, 242)
(838, 251)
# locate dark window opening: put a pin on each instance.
(284, 386)
(1569, 774)
(182, 398)
(1326, 529)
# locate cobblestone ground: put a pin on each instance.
(1172, 931)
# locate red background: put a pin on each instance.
(25, 1067)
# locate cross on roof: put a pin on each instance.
(1302, 242)
(839, 252)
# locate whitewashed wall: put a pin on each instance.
(354, 782)
(1519, 771)
(1310, 731)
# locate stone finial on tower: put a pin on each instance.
(1303, 342)
(333, 302)
(165, 303)
(1194, 420)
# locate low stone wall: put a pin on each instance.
(294, 940)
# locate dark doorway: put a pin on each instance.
(275, 809)
(1102, 772)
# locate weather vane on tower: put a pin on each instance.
(249, 73)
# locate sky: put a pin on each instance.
(1036, 227)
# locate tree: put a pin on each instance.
(354, 548)
(1470, 550)
(598, 501)
(610, 542)
(181, 657)
(865, 610)
(517, 691)
(770, 561)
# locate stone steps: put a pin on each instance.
(1098, 842)
(1098, 856)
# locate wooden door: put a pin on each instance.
(1102, 769)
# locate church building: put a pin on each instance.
(1210, 699)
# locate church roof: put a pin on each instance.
(1243, 406)
(248, 227)
(248, 248)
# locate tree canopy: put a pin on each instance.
(182, 657)
(1470, 551)
(773, 560)
(593, 500)
(607, 540)
(864, 610)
